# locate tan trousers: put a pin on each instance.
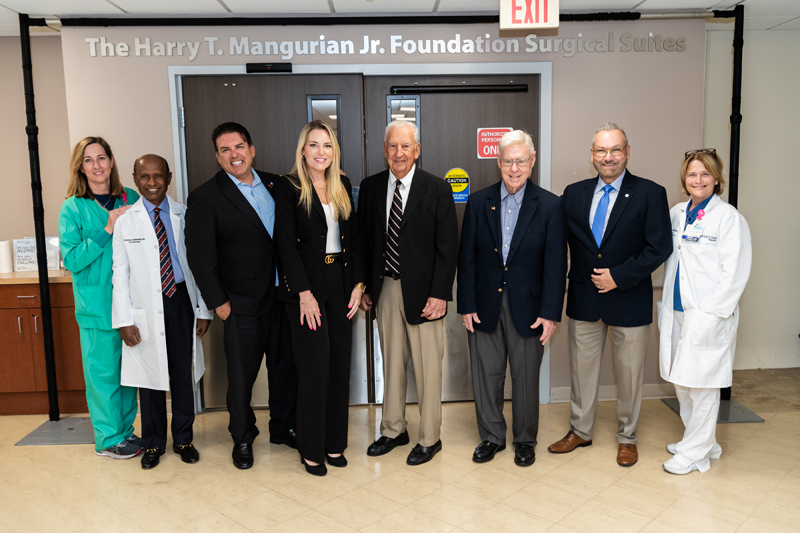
(425, 344)
(586, 343)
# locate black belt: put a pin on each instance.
(332, 258)
(391, 274)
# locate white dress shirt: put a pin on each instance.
(406, 181)
(332, 245)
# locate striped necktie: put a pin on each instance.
(393, 233)
(167, 276)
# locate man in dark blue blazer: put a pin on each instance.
(512, 268)
(619, 232)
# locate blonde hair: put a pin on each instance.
(78, 185)
(337, 194)
(713, 164)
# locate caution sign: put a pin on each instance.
(459, 182)
(487, 141)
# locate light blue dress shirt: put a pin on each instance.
(612, 197)
(261, 200)
(177, 271)
(510, 205)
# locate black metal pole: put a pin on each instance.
(32, 130)
(736, 117)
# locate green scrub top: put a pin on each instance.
(87, 253)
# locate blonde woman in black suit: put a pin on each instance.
(319, 260)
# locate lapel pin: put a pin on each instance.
(492, 208)
(627, 195)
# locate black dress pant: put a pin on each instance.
(180, 337)
(247, 338)
(322, 358)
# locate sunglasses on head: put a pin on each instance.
(690, 153)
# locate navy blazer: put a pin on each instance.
(428, 240)
(229, 250)
(638, 238)
(535, 271)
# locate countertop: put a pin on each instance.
(32, 276)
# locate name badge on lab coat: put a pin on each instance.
(693, 232)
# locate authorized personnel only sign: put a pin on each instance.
(487, 141)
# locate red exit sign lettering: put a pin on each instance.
(528, 14)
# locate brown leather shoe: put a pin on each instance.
(568, 443)
(627, 454)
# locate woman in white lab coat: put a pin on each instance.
(699, 315)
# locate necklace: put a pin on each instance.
(101, 205)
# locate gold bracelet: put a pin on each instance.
(361, 286)
(303, 303)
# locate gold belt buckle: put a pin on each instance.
(329, 259)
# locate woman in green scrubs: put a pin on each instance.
(95, 199)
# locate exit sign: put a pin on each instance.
(528, 14)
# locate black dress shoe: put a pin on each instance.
(384, 445)
(188, 452)
(524, 456)
(318, 470)
(486, 450)
(422, 454)
(150, 458)
(242, 455)
(338, 462)
(288, 437)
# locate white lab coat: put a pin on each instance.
(137, 296)
(714, 271)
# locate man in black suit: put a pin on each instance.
(410, 232)
(512, 267)
(619, 232)
(229, 224)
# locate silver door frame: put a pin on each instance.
(544, 153)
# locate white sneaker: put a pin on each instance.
(716, 450)
(124, 450)
(675, 466)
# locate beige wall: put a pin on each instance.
(768, 184)
(16, 204)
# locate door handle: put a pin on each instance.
(26, 296)
(19, 324)
(36, 323)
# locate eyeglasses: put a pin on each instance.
(520, 162)
(615, 152)
(691, 153)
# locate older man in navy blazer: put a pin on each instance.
(619, 232)
(511, 278)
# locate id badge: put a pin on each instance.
(693, 232)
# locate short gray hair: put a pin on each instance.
(402, 124)
(515, 137)
(610, 126)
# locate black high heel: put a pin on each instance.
(339, 462)
(318, 470)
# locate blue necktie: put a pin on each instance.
(600, 215)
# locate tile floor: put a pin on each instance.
(755, 487)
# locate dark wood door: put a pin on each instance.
(66, 338)
(273, 108)
(449, 122)
(16, 361)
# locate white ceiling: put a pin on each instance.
(759, 14)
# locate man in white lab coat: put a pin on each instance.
(159, 312)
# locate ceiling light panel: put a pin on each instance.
(274, 6)
(384, 6)
(37, 8)
(449, 6)
(172, 7)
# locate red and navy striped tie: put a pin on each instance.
(393, 233)
(167, 276)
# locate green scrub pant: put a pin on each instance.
(112, 407)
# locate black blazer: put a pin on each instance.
(229, 249)
(535, 273)
(638, 238)
(428, 240)
(301, 239)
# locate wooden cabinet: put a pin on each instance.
(23, 376)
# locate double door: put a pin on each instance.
(448, 110)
